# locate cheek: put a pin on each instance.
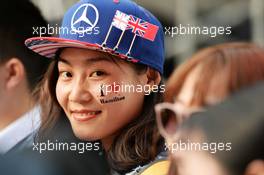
(2, 101)
(125, 110)
(61, 94)
(4, 98)
(98, 92)
(134, 104)
(2, 86)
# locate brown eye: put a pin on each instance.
(97, 74)
(65, 75)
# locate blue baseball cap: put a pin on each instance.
(118, 27)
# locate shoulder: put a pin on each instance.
(25, 144)
(157, 167)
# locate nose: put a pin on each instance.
(80, 92)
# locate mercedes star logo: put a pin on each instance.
(85, 9)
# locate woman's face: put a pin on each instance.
(94, 111)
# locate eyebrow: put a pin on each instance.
(89, 61)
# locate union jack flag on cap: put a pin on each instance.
(121, 20)
(142, 28)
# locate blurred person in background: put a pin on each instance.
(20, 71)
(214, 73)
(239, 122)
(206, 79)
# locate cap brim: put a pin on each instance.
(48, 46)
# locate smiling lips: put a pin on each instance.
(84, 115)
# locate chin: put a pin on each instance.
(85, 134)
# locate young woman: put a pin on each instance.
(207, 78)
(112, 51)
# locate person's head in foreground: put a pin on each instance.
(206, 79)
(233, 132)
(20, 71)
(112, 51)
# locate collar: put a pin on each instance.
(19, 129)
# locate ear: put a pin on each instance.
(15, 73)
(153, 77)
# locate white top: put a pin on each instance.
(19, 129)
